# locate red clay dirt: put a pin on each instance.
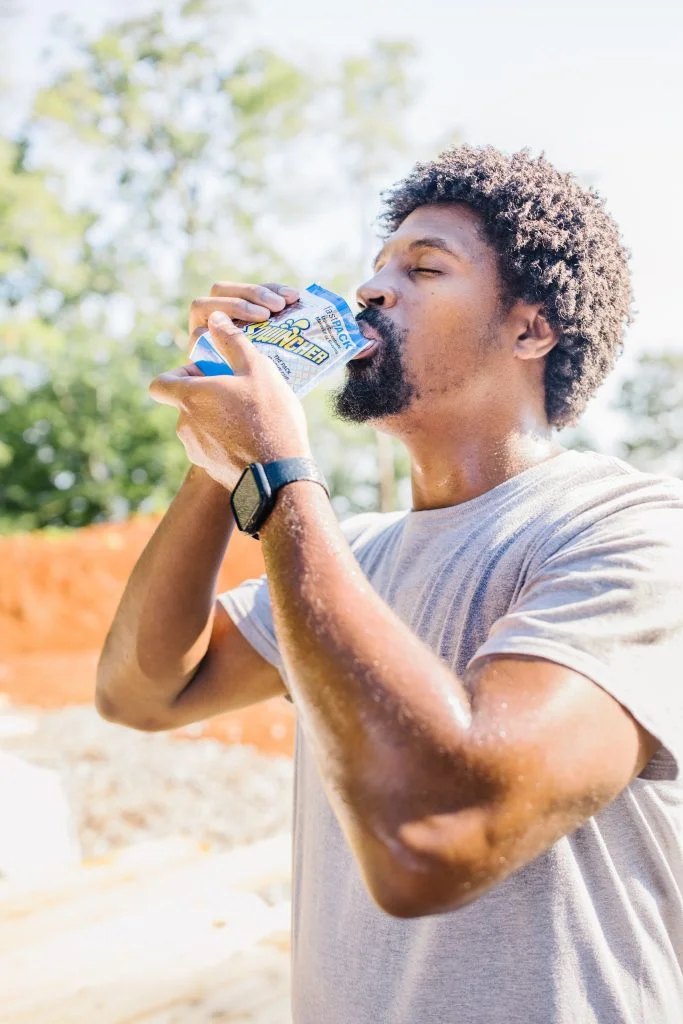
(58, 595)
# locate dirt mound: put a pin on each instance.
(58, 595)
(59, 592)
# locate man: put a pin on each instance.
(488, 792)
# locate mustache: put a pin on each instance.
(374, 317)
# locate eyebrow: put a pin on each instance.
(430, 242)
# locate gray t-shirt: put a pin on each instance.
(578, 560)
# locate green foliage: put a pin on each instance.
(651, 400)
(76, 466)
(156, 162)
(375, 92)
(178, 136)
(82, 441)
(42, 246)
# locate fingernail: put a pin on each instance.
(217, 318)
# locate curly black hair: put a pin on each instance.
(555, 244)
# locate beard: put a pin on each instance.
(378, 386)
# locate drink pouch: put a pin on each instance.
(307, 341)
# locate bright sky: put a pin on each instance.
(597, 84)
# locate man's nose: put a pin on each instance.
(375, 293)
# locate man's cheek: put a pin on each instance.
(423, 360)
(435, 369)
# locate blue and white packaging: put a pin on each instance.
(307, 341)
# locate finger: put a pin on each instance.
(197, 333)
(231, 342)
(260, 294)
(237, 309)
(288, 293)
(168, 389)
(192, 370)
(189, 370)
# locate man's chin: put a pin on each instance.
(366, 401)
(376, 388)
(349, 409)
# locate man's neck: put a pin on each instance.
(455, 467)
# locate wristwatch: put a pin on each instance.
(254, 495)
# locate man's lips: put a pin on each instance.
(374, 342)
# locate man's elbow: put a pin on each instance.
(142, 721)
(419, 883)
(413, 902)
(408, 891)
(105, 706)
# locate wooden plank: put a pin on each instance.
(132, 964)
(159, 929)
(18, 899)
(146, 880)
(253, 988)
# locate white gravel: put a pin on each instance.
(125, 786)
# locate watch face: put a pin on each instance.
(247, 500)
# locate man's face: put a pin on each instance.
(433, 307)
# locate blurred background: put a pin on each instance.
(149, 149)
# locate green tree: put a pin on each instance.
(85, 444)
(176, 145)
(651, 402)
(152, 164)
(44, 258)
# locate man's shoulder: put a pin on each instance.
(613, 482)
(609, 499)
(615, 466)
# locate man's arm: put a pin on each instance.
(173, 655)
(440, 797)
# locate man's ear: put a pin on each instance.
(536, 337)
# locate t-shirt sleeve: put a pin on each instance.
(609, 604)
(248, 605)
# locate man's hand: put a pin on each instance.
(227, 422)
(246, 303)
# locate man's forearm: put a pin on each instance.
(386, 717)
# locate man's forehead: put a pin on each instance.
(452, 226)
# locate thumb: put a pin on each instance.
(231, 342)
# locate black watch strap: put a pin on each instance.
(266, 480)
(288, 471)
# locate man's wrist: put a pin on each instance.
(293, 502)
(275, 452)
(200, 480)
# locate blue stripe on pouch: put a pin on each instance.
(205, 356)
